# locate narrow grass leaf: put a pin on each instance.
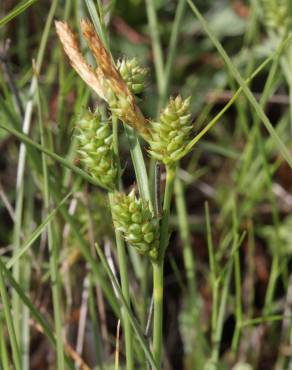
(9, 322)
(33, 310)
(16, 11)
(259, 110)
(225, 108)
(36, 233)
(25, 139)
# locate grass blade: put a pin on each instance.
(25, 139)
(36, 233)
(16, 11)
(259, 110)
(9, 323)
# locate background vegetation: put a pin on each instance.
(228, 282)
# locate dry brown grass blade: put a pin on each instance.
(71, 48)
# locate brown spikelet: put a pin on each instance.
(106, 77)
(107, 71)
(71, 48)
(103, 59)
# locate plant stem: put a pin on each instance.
(3, 350)
(53, 249)
(122, 258)
(158, 267)
(157, 50)
(158, 310)
(184, 231)
(221, 314)
(139, 165)
(170, 177)
(172, 47)
(9, 323)
(213, 274)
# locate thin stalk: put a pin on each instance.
(158, 287)
(164, 237)
(53, 252)
(139, 166)
(3, 349)
(26, 277)
(213, 274)
(180, 9)
(122, 258)
(158, 267)
(9, 323)
(157, 50)
(221, 314)
(238, 290)
(97, 337)
(184, 230)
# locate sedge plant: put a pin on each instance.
(135, 221)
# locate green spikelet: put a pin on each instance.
(133, 74)
(170, 135)
(276, 15)
(136, 222)
(95, 148)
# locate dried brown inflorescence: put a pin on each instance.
(106, 80)
(71, 48)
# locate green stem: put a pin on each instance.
(157, 50)
(213, 274)
(221, 315)
(9, 323)
(158, 311)
(122, 258)
(158, 267)
(3, 350)
(139, 165)
(237, 276)
(172, 47)
(184, 231)
(53, 250)
(164, 237)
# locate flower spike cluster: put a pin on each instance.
(276, 15)
(132, 74)
(136, 222)
(170, 135)
(94, 137)
(106, 80)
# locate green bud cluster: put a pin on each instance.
(276, 15)
(94, 137)
(132, 74)
(136, 222)
(170, 135)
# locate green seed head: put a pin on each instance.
(276, 15)
(133, 74)
(94, 138)
(136, 222)
(170, 135)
